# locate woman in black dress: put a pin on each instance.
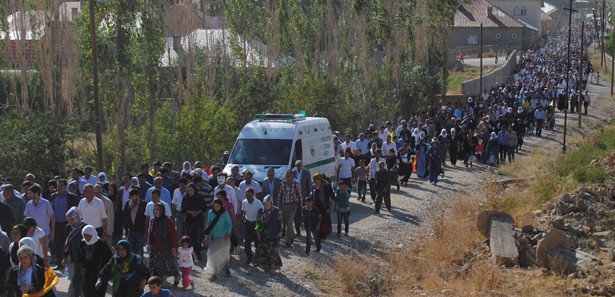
(94, 253)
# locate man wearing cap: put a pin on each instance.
(304, 177)
(290, 201)
(271, 186)
(249, 183)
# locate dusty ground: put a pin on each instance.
(369, 233)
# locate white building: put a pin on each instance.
(526, 11)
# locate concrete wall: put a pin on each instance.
(501, 75)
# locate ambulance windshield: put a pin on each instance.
(261, 152)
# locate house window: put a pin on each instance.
(472, 39)
(498, 36)
(520, 11)
(514, 36)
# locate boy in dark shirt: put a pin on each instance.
(311, 218)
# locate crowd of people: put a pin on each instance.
(160, 222)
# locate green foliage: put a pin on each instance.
(34, 142)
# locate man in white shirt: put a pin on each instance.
(372, 168)
(346, 168)
(178, 198)
(348, 144)
(248, 183)
(87, 178)
(124, 191)
(387, 145)
(98, 193)
(93, 211)
(250, 207)
(149, 208)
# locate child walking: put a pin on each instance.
(155, 288)
(311, 218)
(186, 260)
(342, 207)
(361, 176)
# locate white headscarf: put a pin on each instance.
(27, 241)
(443, 133)
(90, 230)
(135, 182)
(186, 171)
(105, 175)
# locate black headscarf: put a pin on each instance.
(157, 221)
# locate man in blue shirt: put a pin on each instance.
(61, 201)
(41, 210)
(165, 195)
(539, 118)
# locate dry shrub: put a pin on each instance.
(433, 263)
(357, 275)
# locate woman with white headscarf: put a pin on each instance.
(186, 169)
(444, 142)
(102, 179)
(94, 254)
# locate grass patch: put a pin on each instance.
(456, 78)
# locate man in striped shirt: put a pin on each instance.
(290, 199)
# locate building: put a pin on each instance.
(526, 11)
(501, 32)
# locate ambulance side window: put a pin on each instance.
(298, 153)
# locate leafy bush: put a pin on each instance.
(34, 142)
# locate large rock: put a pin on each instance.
(555, 253)
(483, 220)
(549, 244)
(502, 241)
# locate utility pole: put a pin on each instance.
(603, 21)
(97, 109)
(567, 74)
(612, 62)
(481, 60)
(596, 29)
(582, 60)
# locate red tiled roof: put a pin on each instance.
(473, 14)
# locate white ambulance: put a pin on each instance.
(278, 140)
